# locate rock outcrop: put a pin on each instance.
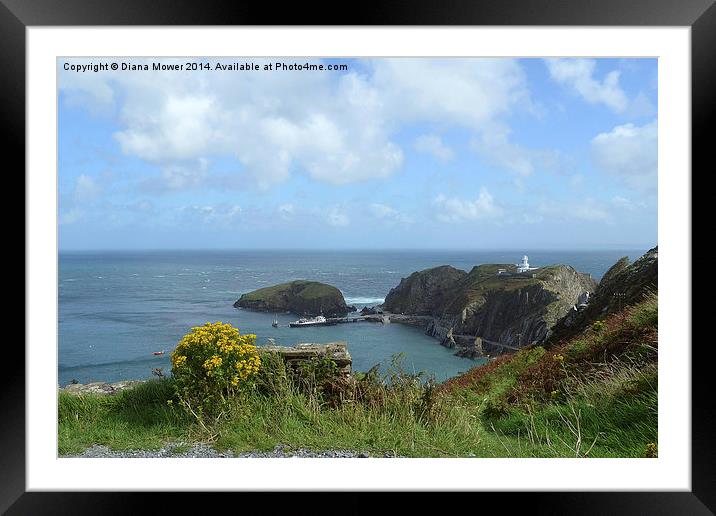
(425, 292)
(299, 297)
(508, 308)
(100, 388)
(623, 285)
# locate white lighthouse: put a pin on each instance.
(525, 265)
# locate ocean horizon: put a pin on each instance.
(117, 307)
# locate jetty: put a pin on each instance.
(499, 347)
(374, 318)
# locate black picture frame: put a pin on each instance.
(699, 15)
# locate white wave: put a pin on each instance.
(364, 300)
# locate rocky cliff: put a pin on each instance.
(425, 292)
(299, 297)
(623, 285)
(510, 309)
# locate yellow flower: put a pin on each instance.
(213, 363)
(222, 353)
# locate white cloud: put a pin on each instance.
(626, 204)
(86, 90)
(465, 92)
(286, 211)
(576, 180)
(337, 217)
(530, 218)
(143, 206)
(84, 195)
(591, 210)
(387, 213)
(495, 147)
(182, 127)
(579, 75)
(70, 217)
(382, 211)
(178, 176)
(458, 210)
(86, 189)
(622, 202)
(588, 209)
(641, 107)
(222, 215)
(336, 130)
(630, 153)
(433, 144)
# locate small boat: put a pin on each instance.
(315, 321)
(275, 323)
(158, 352)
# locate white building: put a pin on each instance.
(525, 265)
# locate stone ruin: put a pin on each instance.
(335, 351)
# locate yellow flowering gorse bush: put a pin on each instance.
(212, 362)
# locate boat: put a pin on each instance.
(275, 323)
(313, 321)
(158, 352)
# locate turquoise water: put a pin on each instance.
(116, 308)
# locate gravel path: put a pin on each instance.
(180, 450)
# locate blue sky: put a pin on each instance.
(391, 153)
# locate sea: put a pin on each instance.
(116, 308)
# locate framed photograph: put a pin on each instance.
(417, 253)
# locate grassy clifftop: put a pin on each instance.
(484, 279)
(301, 288)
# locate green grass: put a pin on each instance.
(141, 419)
(594, 396)
(617, 418)
(137, 418)
(304, 289)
